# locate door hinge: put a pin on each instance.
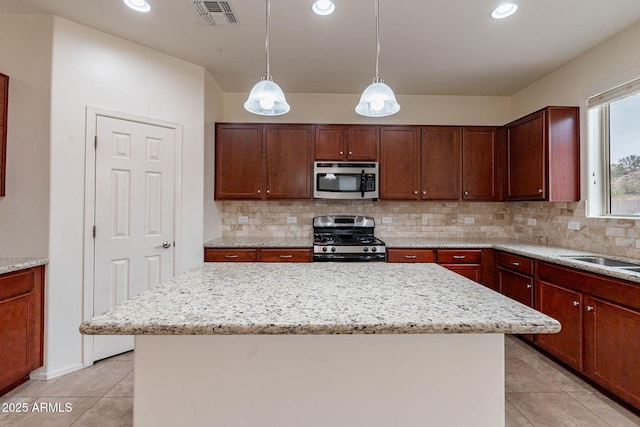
(95, 141)
(94, 231)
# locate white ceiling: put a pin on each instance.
(428, 47)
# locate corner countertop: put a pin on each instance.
(7, 265)
(319, 298)
(553, 254)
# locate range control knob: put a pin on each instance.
(374, 249)
(333, 249)
(366, 249)
(324, 249)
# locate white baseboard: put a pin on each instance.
(42, 374)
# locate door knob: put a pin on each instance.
(165, 245)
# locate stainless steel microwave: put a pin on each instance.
(345, 180)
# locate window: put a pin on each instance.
(614, 130)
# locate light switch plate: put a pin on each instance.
(292, 220)
(386, 220)
(573, 225)
(242, 219)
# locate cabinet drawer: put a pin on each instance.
(459, 256)
(230, 255)
(285, 255)
(410, 255)
(15, 284)
(515, 263)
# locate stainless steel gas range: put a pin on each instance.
(346, 238)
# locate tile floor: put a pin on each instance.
(538, 393)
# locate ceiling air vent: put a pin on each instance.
(214, 12)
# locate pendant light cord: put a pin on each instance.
(377, 79)
(266, 43)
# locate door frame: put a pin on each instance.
(92, 115)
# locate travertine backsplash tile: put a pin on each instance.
(619, 237)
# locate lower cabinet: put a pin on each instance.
(515, 279)
(21, 325)
(600, 319)
(466, 262)
(410, 255)
(258, 255)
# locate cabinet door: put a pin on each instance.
(441, 149)
(526, 159)
(362, 143)
(330, 142)
(516, 286)
(565, 306)
(289, 156)
(238, 162)
(470, 271)
(399, 163)
(612, 348)
(479, 170)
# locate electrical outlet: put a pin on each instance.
(292, 220)
(469, 220)
(386, 220)
(531, 221)
(243, 219)
(573, 225)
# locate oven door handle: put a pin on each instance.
(362, 182)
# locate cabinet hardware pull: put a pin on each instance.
(529, 286)
(575, 303)
(286, 256)
(459, 256)
(590, 308)
(410, 256)
(231, 256)
(259, 191)
(424, 192)
(341, 153)
(268, 191)
(415, 192)
(350, 152)
(517, 264)
(466, 193)
(539, 190)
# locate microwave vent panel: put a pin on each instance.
(214, 12)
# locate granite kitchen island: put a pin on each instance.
(320, 344)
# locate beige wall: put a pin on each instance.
(24, 212)
(213, 112)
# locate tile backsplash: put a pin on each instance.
(539, 222)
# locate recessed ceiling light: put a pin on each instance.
(323, 7)
(504, 10)
(138, 5)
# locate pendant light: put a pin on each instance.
(266, 98)
(378, 99)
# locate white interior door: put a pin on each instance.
(134, 216)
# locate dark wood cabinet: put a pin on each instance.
(565, 306)
(21, 325)
(288, 158)
(239, 171)
(399, 163)
(4, 108)
(480, 151)
(256, 161)
(346, 142)
(441, 163)
(612, 353)
(410, 255)
(543, 156)
(258, 255)
(514, 276)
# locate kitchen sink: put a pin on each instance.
(606, 262)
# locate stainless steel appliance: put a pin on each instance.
(346, 238)
(345, 180)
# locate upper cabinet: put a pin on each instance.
(441, 162)
(4, 107)
(480, 164)
(255, 161)
(346, 142)
(399, 162)
(543, 156)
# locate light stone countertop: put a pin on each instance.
(259, 242)
(553, 254)
(7, 265)
(319, 298)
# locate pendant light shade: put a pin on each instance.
(266, 98)
(377, 100)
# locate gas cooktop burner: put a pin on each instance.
(346, 238)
